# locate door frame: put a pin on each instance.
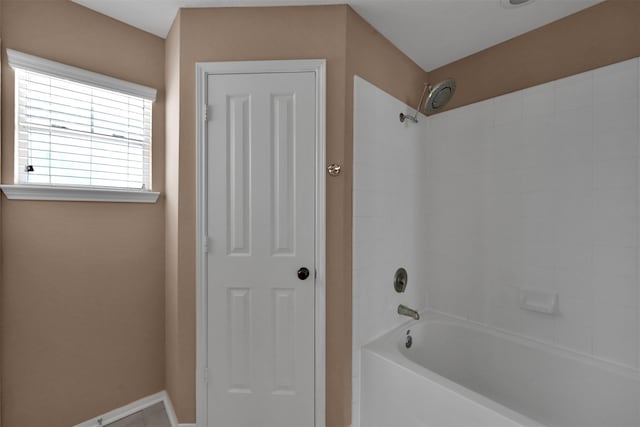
(203, 71)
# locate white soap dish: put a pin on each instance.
(539, 301)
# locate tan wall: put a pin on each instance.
(276, 33)
(374, 58)
(83, 296)
(603, 34)
(284, 33)
(102, 327)
(377, 60)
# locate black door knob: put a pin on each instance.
(303, 273)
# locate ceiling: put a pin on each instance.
(431, 32)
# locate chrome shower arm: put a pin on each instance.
(414, 118)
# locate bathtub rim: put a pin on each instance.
(398, 360)
(434, 316)
(546, 346)
(455, 388)
(388, 347)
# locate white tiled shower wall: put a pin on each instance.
(537, 189)
(387, 230)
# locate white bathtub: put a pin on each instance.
(459, 374)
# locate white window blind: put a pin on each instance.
(75, 134)
(78, 128)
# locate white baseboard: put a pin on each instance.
(132, 408)
(186, 425)
(170, 412)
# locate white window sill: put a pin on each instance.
(75, 194)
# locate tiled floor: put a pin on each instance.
(153, 416)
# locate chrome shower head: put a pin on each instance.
(437, 97)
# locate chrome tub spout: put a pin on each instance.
(406, 311)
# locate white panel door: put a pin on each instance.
(260, 223)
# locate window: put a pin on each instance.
(70, 133)
(78, 129)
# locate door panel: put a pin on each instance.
(261, 226)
